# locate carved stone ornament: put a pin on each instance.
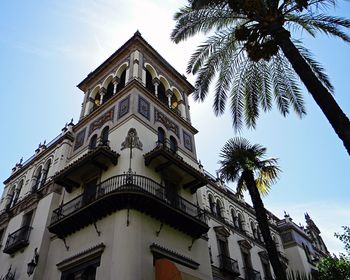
(101, 120)
(132, 140)
(160, 117)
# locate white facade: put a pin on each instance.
(121, 195)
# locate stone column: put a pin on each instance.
(115, 82)
(156, 83)
(169, 94)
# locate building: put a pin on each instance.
(121, 195)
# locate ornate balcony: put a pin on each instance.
(17, 240)
(92, 162)
(129, 191)
(251, 274)
(166, 160)
(229, 265)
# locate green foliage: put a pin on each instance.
(243, 58)
(334, 269)
(345, 238)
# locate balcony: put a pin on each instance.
(251, 274)
(167, 161)
(129, 191)
(229, 265)
(91, 163)
(17, 240)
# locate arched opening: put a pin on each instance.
(109, 92)
(45, 172)
(240, 222)
(149, 82)
(37, 179)
(97, 101)
(161, 136)
(10, 197)
(17, 191)
(253, 230)
(234, 218)
(93, 142)
(258, 232)
(212, 204)
(161, 94)
(104, 136)
(122, 81)
(175, 104)
(219, 208)
(173, 144)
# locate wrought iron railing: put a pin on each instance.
(228, 264)
(251, 274)
(129, 183)
(17, 239)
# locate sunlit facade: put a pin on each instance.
(121, 195)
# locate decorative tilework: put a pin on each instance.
(79, 140)
(144, 107)
(101, 120)
(160, 117)
(124, 107)
(187, 141)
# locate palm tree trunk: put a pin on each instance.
(261, 217)
(321, 95)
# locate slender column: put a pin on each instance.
(115, 82)
(169, 94)
(156, 83)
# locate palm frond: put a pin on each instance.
(315, 67)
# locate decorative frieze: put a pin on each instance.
(144, 107)
(108, 116)
(160, 117)
(124, 107)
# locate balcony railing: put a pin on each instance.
(17, 240)
(132, 184)
(251, 274)
(229, 265)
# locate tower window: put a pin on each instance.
(212, 204)
(161, 94)
(149, 82)
(122, 81)
(104, 136)
(93, 142)
(161, 136)
(173, 144)
(109, 92)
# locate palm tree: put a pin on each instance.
(245, 163)
(255, 60)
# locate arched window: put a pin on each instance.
(45, 172)
(240, 221)
(17, 191)
(173, 144)
(212, 204)
(122, 81)
(161, 136)
(109, 92)
(97, 101)
(161, 94)
(37, 179)
(149, 82)
(218, 208)
(258, 232)
(253, 230)
(10, 197)
(104, 136)
(234, 218)
(93, 142)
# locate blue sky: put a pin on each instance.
(48, 47)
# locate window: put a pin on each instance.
(109, 92)
(258, 232)
(240, 221)
(161, 94)
(93, 142)
(104, 136)
(122, 81)
(234, 218)
(253, 230)
(97, 101)
(149, 82)
(45, 172)
(161, 136)
(27, 218)
(37, 179)
(16, 193)
(10, 196)
(173, 144)
(89, 273)
(212, 204)
(218, 208)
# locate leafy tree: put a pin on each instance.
(345, 238)
(246, 164)
(334, 269)
(255, 60)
